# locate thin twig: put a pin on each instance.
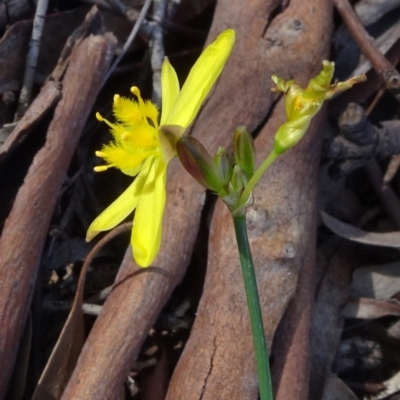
(130, 39)
(31, 61)
(157, 47)
(380, 63)
(172, 8)
(87, 308)
(100, 244)
(385, 193)
(392, 169)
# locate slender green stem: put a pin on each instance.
(253, 302)
(257, 175)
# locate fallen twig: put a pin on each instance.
(157, 46)
(130, 39)
(31, 61)
(384, 68)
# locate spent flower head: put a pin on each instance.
(142, 147)
(302, 105)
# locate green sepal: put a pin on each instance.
(196, 160)
(223, 162)
(238, 181)
(243, 150)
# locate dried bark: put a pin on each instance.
(26, 228)
(293, 46)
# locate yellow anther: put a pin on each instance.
(99, 117)
(135, 90)
(101, 154)
(101, 168)
(117, 98)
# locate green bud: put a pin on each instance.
(290, 133)
(238, 181)
(223, 162)
(243, 150)
(196, 160)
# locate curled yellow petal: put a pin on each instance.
(201, 79)
(146, 232)
(120, 208)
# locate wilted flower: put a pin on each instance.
(301, 105)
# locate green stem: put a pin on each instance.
(257, 327)
(257, 175)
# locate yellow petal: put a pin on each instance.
(201, 79)
(146, 232)
(120, 208)
(169, 89)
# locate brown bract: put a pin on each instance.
(218, 361)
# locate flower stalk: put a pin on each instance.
(253, 304)
(234, 182)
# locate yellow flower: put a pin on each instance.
(301, 105)
(141, 147)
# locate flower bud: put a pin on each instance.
(196, 160)
(238, 181)
(223, 162)
(243, 150)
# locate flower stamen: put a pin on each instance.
(117, 99)
(101, 168)
(101, 119)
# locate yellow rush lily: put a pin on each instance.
(141, 147)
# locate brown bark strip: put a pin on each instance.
(26, 227)
(47, 98)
